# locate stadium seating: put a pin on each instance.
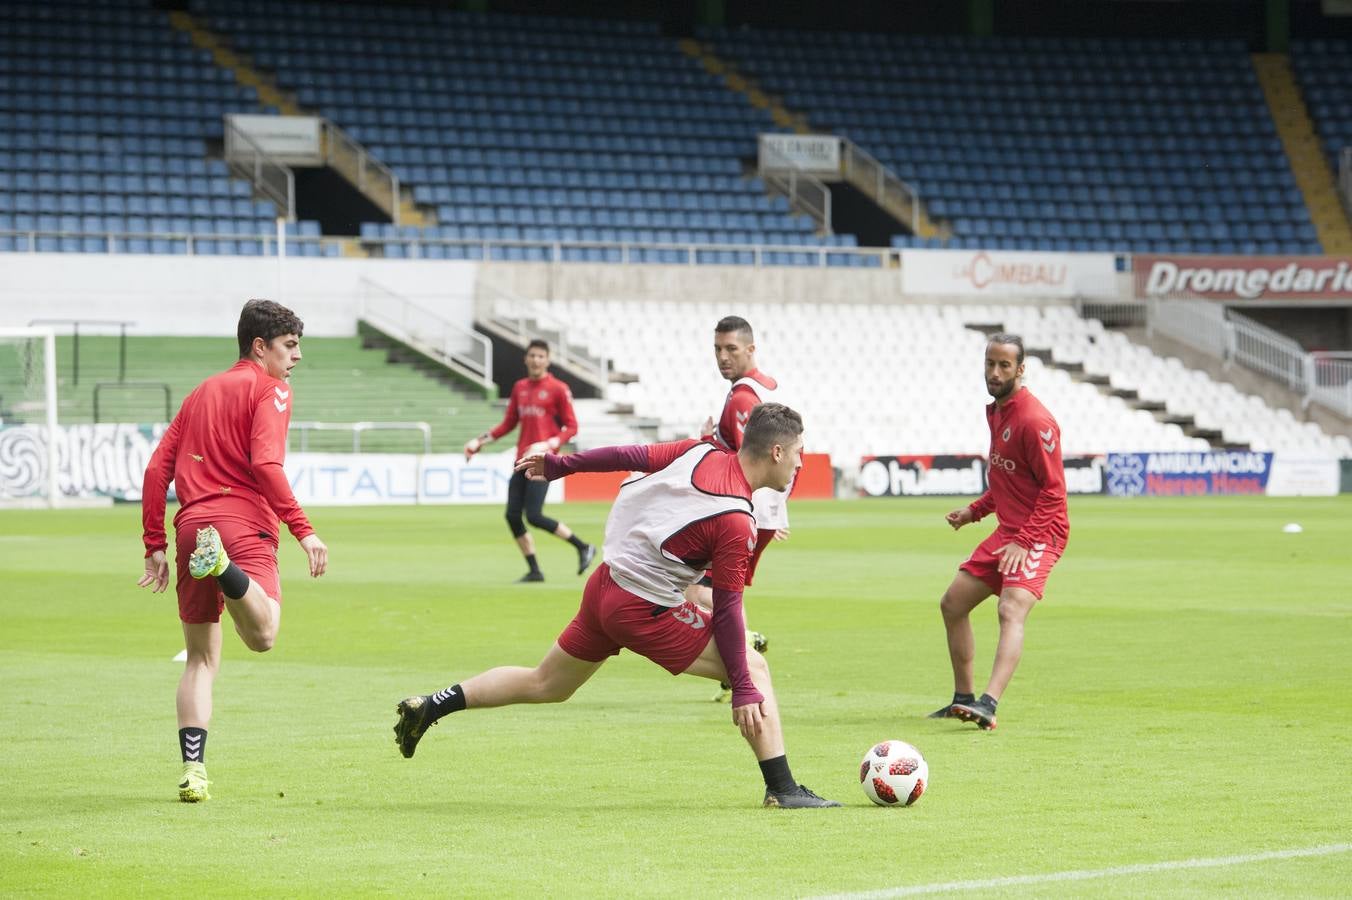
(1323, 68)
(105, 115)
(338, 381)
(1052, 143)
(896, 379)
(531, 129)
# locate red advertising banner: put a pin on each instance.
(816, 481)
(1244, 277)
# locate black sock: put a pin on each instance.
(778, 778)
(963, 698)
(530, 561)
(989, 701)
(192, 743)
(233, 581)
(448, 701)
(578, 542)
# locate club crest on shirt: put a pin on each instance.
(1004, 435)
(543, 395)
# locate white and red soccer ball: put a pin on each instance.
(893, 773)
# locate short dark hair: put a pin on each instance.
(538, 342)
(729, 324)
(770, 424)
(265, 319)
(1004, 337)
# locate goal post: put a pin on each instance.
(29, 473)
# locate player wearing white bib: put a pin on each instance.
(689, 514)
(735, 353)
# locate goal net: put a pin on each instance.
(28, 417)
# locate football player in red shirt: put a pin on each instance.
(224, 453)
(1027, 493)
(543, 405)
(689, 513)
(735, 354)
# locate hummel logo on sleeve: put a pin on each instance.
(281, 394)
(1047, 443)
(281, 407)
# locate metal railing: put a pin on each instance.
(497, 249)
(269, 177)
(159, 387)
(355, 163)
(1331, 381)
(806, 193)
(459, 348)
(1269, 352)
(1197, 323)
(1323, 378)
(880, 184)
(525, 320)
(303, 429)
(75, 341)
(1112, 313)
(757, 255)
(113, 241)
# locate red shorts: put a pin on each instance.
(612, 618)
(200, 599)
(984, 563)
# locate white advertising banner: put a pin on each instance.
(293, 140)
(1008, 273)
(395, 479)
(1301, 477)
(818, 154)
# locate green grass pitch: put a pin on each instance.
(1184, 695)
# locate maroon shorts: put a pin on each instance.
(984, 564)
(611, 618)
(200, 599)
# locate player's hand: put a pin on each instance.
(157, 573)
(318, 553)
(472, 446)
(748, 719)
(707, 429)
(959, 517)
(532, 465)
(781, 534)
(1012, 557)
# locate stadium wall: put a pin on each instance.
(972, 276)
(201, 295)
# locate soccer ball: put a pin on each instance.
(893, 773)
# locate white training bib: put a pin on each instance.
(649, 510)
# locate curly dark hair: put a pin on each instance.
(266, 319)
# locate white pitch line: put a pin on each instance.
(1214, 862)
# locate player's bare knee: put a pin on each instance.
(259, 642)
(550, 691)
(952, 607)
(758, 666)
(1013, 610)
